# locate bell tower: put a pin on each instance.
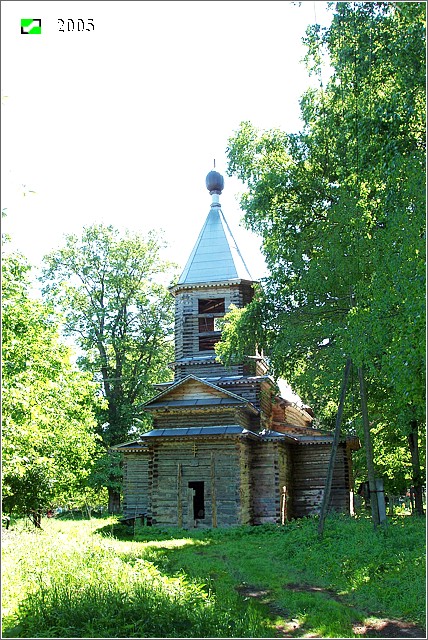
(215, 277)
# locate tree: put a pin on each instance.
(49, 442)
(340, 207)
(115, 305)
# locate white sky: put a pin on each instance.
(120, 125)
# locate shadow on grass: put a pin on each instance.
(142, 610)
(132, 592)
(181, 583)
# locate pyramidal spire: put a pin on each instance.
(215, 256)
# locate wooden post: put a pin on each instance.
(179, 495)
(284, 504)
(213, 492)
(381, 501)
(351, 503)
(417, 497)
(369, 448)
(329, 479)
(190, 514)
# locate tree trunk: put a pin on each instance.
(113, 501)
(368, 448)
(36, 518)
(412, 439)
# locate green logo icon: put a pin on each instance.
(31, 25)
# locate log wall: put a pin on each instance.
(187, 326)
(268, 474)
(136, 484)
(194, 418)
(310, 464)
(285, 482)
(216, 463)
(245, 506)
(243, 481)
(207, 370)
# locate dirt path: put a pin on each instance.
(374, 627)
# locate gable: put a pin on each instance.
(195, 392)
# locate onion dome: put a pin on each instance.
(214, 182)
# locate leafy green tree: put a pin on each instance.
(49, 443)
(111, 292)
(340, 207)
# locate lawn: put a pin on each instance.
(95, 578)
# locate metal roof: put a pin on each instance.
(231, 430)
(203, 402)
(196, 359)
(223, 380)
(225, 430)
(136, 445)
(215, 256)
(238, 379)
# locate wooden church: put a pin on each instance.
(226, 448)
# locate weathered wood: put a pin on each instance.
(179, 495)
(190, 518)
(237, 479)
(187, 316)
(308, 488)
(136, 483)
(213, 491)
(198, 418)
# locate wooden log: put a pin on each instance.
(179, 496)
(213, 491)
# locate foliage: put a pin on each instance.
(110, 289)
(340, 207)
(49, 439)
(88, 579)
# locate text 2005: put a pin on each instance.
(76, 25)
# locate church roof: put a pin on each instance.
(177, 432)
(215, 256)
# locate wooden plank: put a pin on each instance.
(190, 518)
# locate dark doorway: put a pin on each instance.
(198, 500)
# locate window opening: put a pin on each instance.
(207, 343)
(209, 310)
(206, 325)
(198, 500)
(211, 305)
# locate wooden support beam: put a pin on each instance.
(213, 492)
(179, 495)
(329, 480)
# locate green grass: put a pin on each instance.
(94, 578)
